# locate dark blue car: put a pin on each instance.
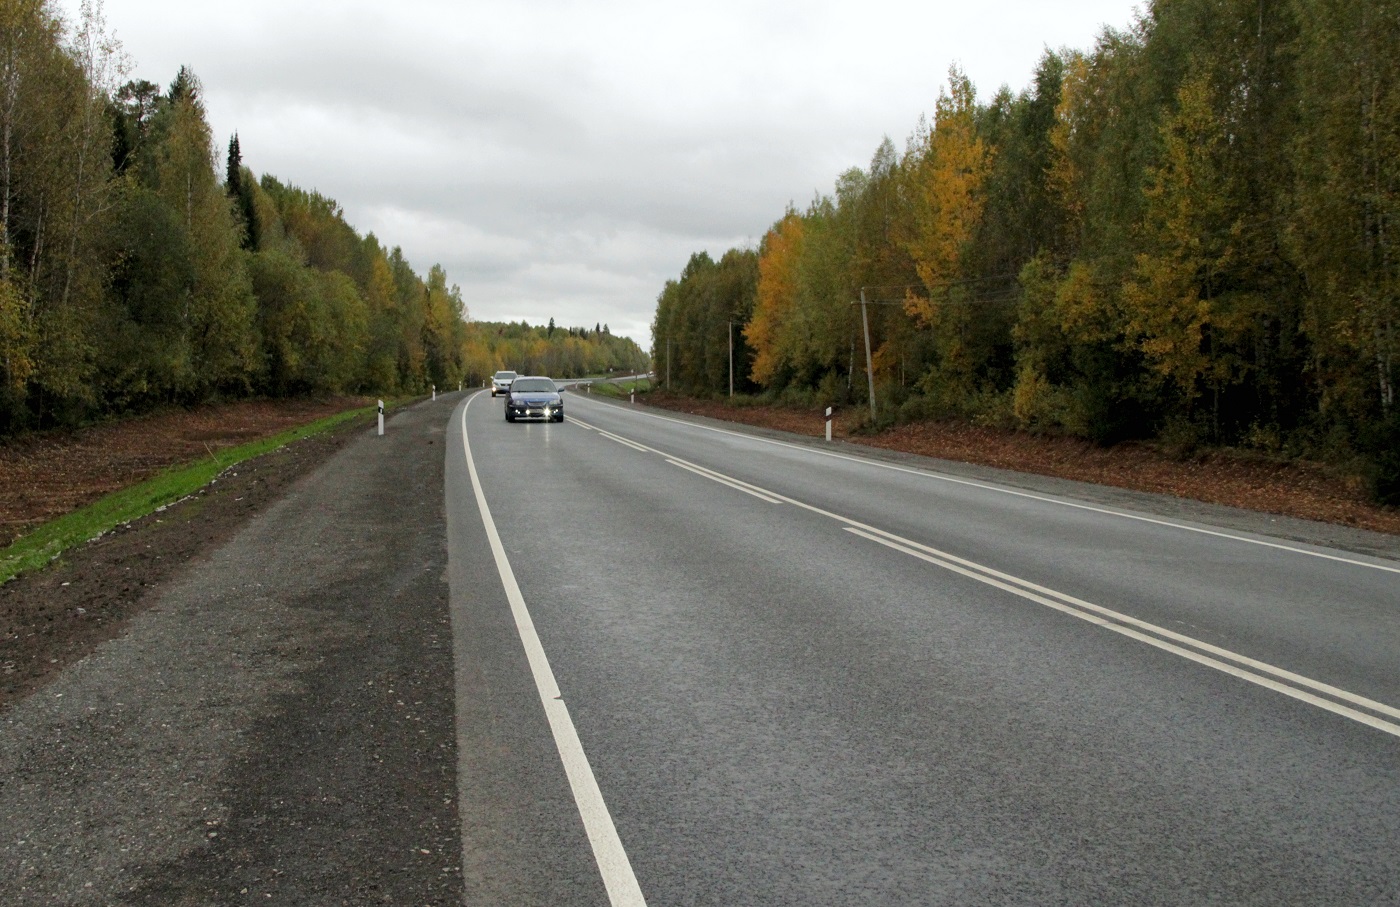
(534, 397)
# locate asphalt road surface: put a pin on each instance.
(699, 667)
(637, 659)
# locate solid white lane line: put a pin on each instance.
(1121, 618)
(698, 470)
(623, 441)
(616, 869)
(1096, 614)
(721, 477)
(1292, 549)
(1101, 621)
(612, 437)
(732, 483)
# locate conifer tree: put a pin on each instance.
(233, 173)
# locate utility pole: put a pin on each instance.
(865, 323)
(869, 366)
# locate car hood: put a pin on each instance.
(534, 397)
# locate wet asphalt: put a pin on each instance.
(336, 707)
(779, 711)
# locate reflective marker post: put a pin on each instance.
(828, 423)
(434, 393)
(381, 417)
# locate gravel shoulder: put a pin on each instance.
(52, 618)
(266, 710)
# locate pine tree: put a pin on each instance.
(185, 86)
(233, 179)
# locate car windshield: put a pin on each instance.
(504, 376)
(532, 386)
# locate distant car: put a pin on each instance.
(500, 382)
(534, 397)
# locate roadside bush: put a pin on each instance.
(1384, 441)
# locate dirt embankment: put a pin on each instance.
(46, 475)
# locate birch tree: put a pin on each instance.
(1348, 200)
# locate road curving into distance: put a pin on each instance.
(800, 677)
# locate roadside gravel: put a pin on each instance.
(275, 722)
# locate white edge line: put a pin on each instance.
(613, 865)
(1260, 680)
(929, 474)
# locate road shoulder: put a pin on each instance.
(277, 724)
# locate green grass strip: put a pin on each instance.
(620, 389)
(50, 540)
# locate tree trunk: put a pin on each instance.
(10, 90)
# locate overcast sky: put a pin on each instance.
(563, 159)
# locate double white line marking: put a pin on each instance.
(1257, 672)
(1369, 712)
(695, 468)
(737, 485)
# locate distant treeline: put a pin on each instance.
(1190, 232)
(133, 273)
(547, 350)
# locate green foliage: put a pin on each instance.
(133, 272)
(563, 353)
(1343, 235)
(1185, 232)
(700, 320)
(619, 390)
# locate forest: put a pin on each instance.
(547, 350)
(1183, 235)
(141, 266)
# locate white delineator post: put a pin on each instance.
(434, 393)
(381, 417)
(828, 423)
